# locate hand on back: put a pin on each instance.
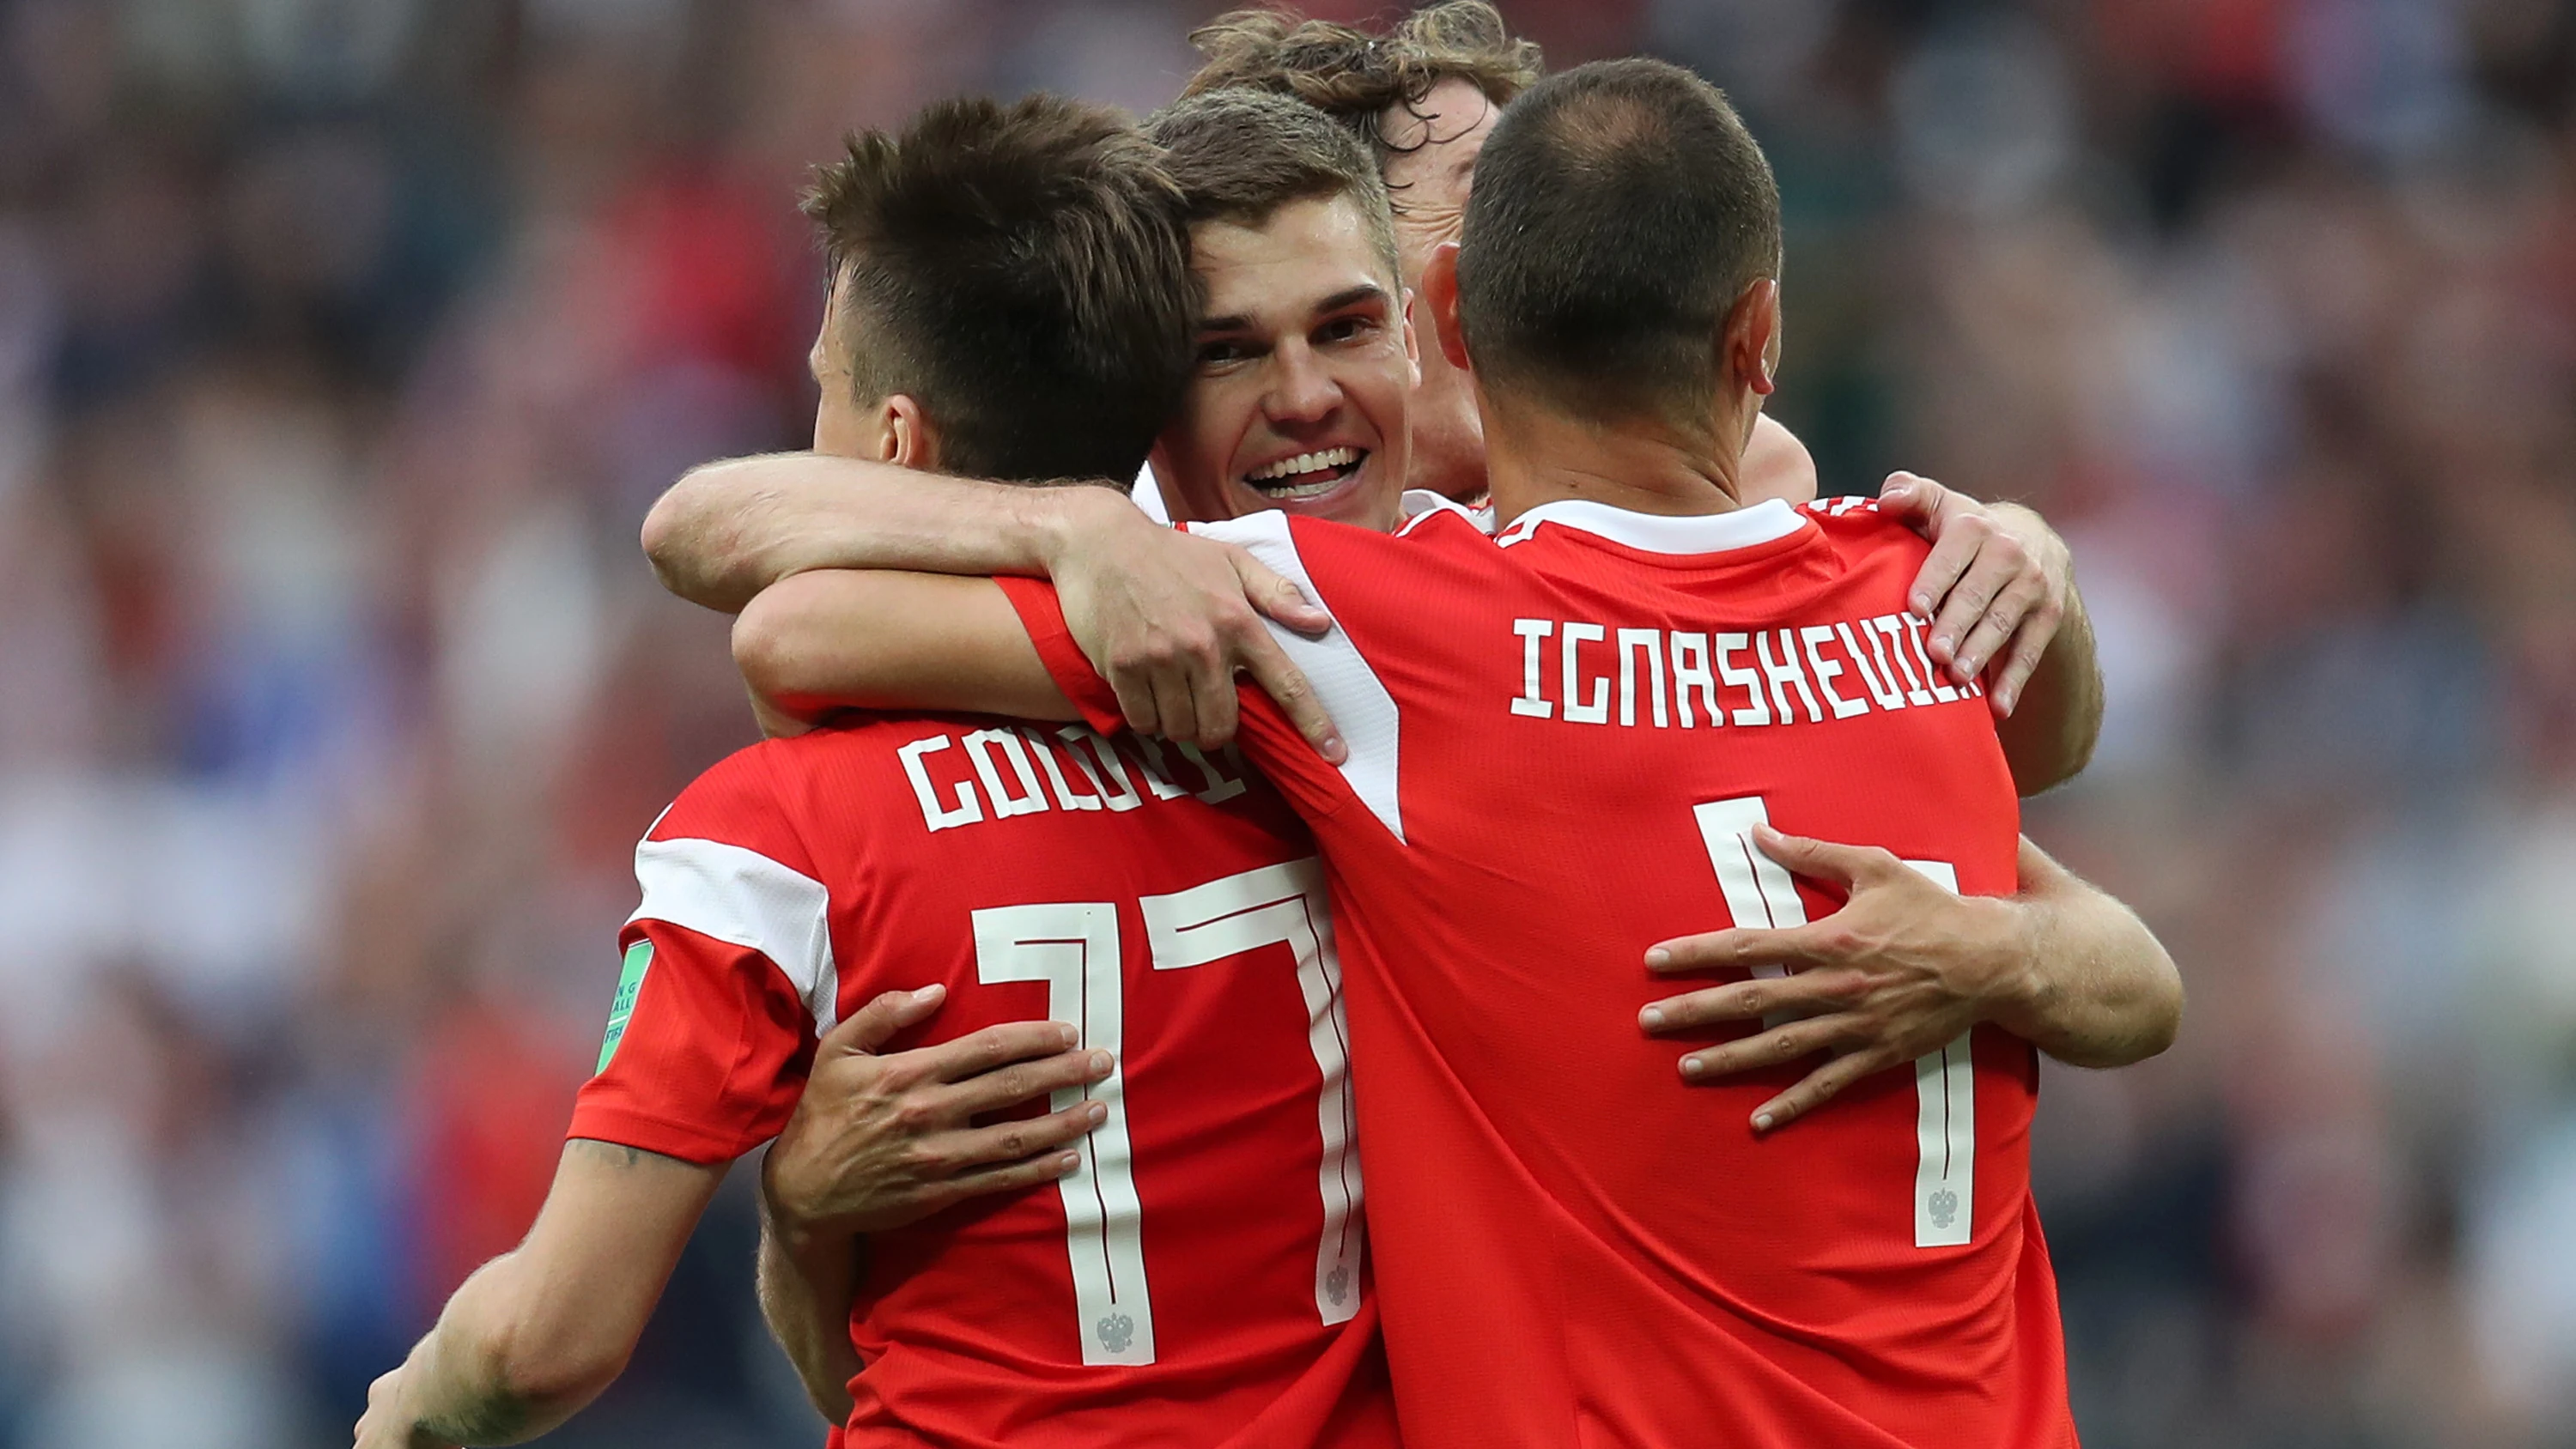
(1994, 588)
(1902, 968)
(883, 1139)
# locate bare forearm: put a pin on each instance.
(538, 1332)
(806, 1284)
(2049, 737)
(459, 1385)
(840, 638)
(729, 529)
(2103, 991)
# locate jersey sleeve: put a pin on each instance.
(726, 978)
(1311, 555)
(1344, 682)
(1042, 614)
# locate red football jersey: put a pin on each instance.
(1560, 740)
(1200, 1279)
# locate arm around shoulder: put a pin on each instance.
(839, 638)
(731, 528)
(2056, 719)
(2099, 989)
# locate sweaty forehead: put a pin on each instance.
(1305, 252)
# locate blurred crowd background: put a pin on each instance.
(343, 344)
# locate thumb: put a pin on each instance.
(1909, 494)
(1278, 599)
(869, 1028)
(1844, 865)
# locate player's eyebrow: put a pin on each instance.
(1347, 297)
(1352, 297)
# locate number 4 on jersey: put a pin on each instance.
(1760, 894)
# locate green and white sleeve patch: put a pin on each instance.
(630, 981)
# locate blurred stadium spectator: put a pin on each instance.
(344, 342)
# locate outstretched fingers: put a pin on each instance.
(1803, 992)
(1816, 1089)
(996, 1047)
(1008, 1086)
(870, 1027)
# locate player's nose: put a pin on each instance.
(1302, 390)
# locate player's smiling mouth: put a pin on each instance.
(1306, 475)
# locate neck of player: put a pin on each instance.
(1536, 455)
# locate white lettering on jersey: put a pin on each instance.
(1021, 771)
(1651, 641)
(1759, 711)
(938, 817)
(1577, 709)
(1940, 691)
(1066, 797)
(1220, 785)
(1158, 776)
(1886, 694)
(1692, 676)
(1081, 740)
(1888, 626)
(1530, 702)
(1031, 800)
(741, 897)
(1775, 676)
(1826, 671)
(1785, 673)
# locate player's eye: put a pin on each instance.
(1345, 329)
(1218, 351)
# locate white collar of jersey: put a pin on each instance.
(1416, 504)
(1662, 533)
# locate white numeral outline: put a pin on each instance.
(1073, 947)
(1284, 905)
(1759, 893)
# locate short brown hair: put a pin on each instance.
(1240, 155)
(1619, 210)
(1356, 77)
(1023, 271)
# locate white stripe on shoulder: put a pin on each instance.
(744, 898)
(1344, 683)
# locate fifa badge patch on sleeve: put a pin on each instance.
(630, 980)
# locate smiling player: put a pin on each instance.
(1556, 743)
(1198, 1275)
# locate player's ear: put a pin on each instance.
(1749, 338)
(905, 435)
(1439, 292)
(1412, 340)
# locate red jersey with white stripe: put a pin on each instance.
(1560, 741)
(1200, 1279)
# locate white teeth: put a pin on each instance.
(1301, 490)
(1329, 458)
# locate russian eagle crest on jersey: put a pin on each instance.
(1202, 1277)
(1561, 737)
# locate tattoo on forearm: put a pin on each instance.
(621, 1154)
(496, 1418)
